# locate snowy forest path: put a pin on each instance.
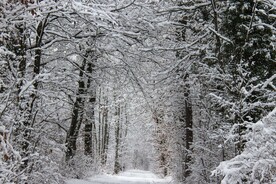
(128, 177)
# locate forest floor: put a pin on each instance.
(128, 177)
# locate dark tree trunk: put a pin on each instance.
(94, 139)
(106, 134)
(88, 138)
(24, 127)
(73, 131)
(89, 123)
(161, 146)
(188, 129)
(37, 65)
(218, 45)
(117, 166)
(30, 119)
(100, 124)
(20, 51)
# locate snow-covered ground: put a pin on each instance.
(128, 177)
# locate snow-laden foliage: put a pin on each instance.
(9, 158)
(81, 166)
(108, 85)
(257, 163)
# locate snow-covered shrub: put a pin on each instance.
(81, 166)
(41, 168)
(257, 163)
(9, 158)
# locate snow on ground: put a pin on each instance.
(128, 177)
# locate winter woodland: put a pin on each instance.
(182, 88)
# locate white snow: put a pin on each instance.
(128, 177)
(256, 163)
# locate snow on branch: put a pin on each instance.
(257, 163)
(30, 83)
(221, 36)
(181, 8)
(123, 7)
(269, 82)
(266, 25)
(95, 12)
(186, 46)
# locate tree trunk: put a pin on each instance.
(117, 166)
(161, 139)
(100, 124)
(106, 133)
(73, 131)
(188, 129)
(89, 123)
(30, 118)
(94, 139)
(218, 45)
(88, 138)
(23, 126)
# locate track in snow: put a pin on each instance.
(128, 177)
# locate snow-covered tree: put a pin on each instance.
(256, 163)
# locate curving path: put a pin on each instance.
(128, 177)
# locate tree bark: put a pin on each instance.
(106, 133)
(117, 165)
(188, 130)
(161, 140)
(218, 44)
(89, 123)
(73, 131)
